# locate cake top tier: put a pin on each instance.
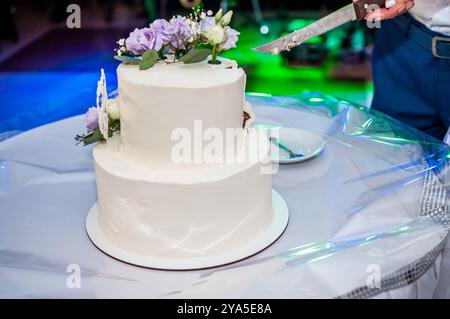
(174, 65)
(180, 75)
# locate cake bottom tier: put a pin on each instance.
(180, 214)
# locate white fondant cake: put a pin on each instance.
(156, 101)
(150, 205)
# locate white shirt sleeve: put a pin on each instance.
(435, 14)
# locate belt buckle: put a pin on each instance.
(434, 47)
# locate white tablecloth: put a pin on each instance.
(368, 217)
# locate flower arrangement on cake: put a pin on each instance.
(187, 39)
(182, 39)
(103, 120)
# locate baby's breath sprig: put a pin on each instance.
(122, 50)
(197, 11)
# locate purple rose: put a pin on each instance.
(231, 39)
(181, 33)
(137, 42)
(163, 29)
(141, 40)
(207, 23)
(92, 119)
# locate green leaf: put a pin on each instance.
(127, 59)
(196, 56)
(198, 8)
(114, 125)
(161, 54)
(131, 63)
(93, 137)
(149, 58)
(204, 46)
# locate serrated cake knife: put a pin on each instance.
(352, 12)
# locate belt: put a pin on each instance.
(437, 43)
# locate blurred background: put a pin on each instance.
(49, 71)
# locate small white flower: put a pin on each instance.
(112, 106)
(119, 53)
(121, 42)
(216, 35)
(203, 15)
(209, 13)
(193, 25)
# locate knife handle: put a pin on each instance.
(362, 7)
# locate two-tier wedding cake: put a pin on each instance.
(183, 180)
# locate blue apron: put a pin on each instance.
(412, 75)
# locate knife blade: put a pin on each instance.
(352, 12)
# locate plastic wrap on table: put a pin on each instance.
(367, 217)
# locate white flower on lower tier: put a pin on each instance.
(112, 106)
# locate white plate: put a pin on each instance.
(276, 229)
(299, 141)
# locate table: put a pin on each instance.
(369, 216)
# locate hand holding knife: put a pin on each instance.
(358, 10)
(392, 9)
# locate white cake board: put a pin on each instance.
(276, 229)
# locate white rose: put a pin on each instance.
(113, 109)
(216, 35)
